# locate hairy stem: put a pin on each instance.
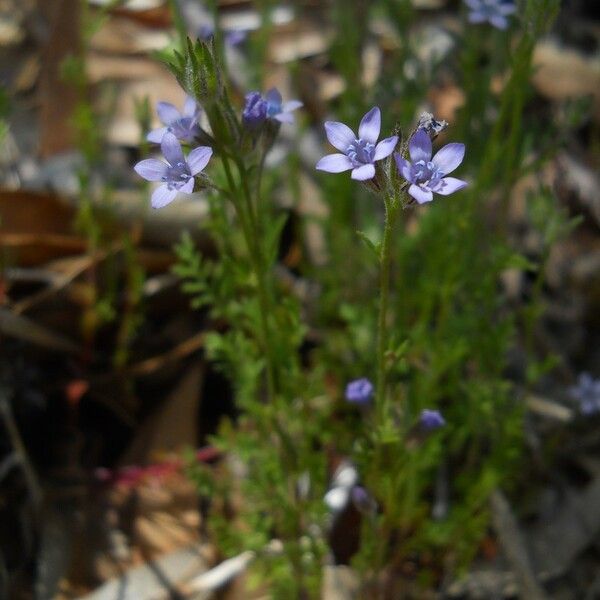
(385, 260)
(251, 234)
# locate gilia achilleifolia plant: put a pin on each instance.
(424, 369)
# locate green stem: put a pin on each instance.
(385, 260)
(264, 296)
(248, 222)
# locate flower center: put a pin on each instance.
(177, 175)
(361, 152)
(426, 173)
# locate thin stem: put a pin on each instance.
(264, 295)
(385, 259)
(251, 236)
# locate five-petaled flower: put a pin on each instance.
(177, 174)
(258, 109)
(428, 175)
(431, 419)
(184, 126)
(358, 153)
(492, 11)
(359, 391)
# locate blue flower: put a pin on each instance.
(587, 393)
(426, 174)
(492, 11)
(431, 419)
(258, 109)
(358, 153)
(184, 126)
(177, 174)
(255, 110)
(359, 391)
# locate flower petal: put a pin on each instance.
(370, 126)
(167, 113)
(403, 167)
(190, 107)
(151, 169)
(291, 105)
(162, 196)
(171, 149)
(473, 4)
(198, 158)
(187, 187)
(499, 22)
(449, 185)
(419, 194)
(449, 157)
(334, 163)
(385, 147)
(419, 146)
(363, 172)
(283, 117)
(156, 135)
(340, 136)
(274, 97)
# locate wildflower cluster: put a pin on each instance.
(359, 153)
(179, 173)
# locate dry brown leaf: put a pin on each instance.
(36, 228)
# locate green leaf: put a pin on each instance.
(375, 248)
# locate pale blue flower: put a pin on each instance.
(177, 174)
(428, 175)
(359, 391)
(184, 126)
(359, 153)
